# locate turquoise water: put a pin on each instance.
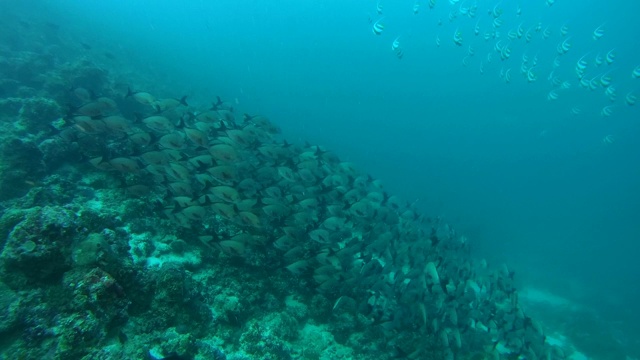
(553, 194)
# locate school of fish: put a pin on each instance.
(239, 189)
(501, 28)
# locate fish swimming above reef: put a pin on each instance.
(240, 190)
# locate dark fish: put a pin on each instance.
(172, 356)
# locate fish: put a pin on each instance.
(378, 27)
(610, 92)
(171, 356)
(457, 37)
(598, 32)
(610, 57)
(197, 137)
(220, 105)
(101, 107)
(158, 123)
(88, 125)
(552, 95)
(117, 123)
(581, 66)
(636, 72)
(599, 60)
(528, 36)
(172, 141)
(607, 111)
(496, 11)
(432, 4)
(169, 104)
(416, 8)
(564, 30)
(125, 165)
(379, 8)
(141, 138)
(142, 97)
(83, 94)
(605, 79)
(631, 99)
(531, 76)
(607, 140)
(564, 46)
(520, 31)
(395, 45)
(550, 2)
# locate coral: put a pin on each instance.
(98, 292)
(172, 342)
(260, 341)
(317, 343)
(37, 114)
(9, 305)
(10, 217)
(10, 107)
(90, 250)
(230, 308)
(38, 247)
(8, 87)
(210, 350)
(22, 167)
(296, 308)
(28, 67)
(57, 152)
(77, 333)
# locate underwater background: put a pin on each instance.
(535, 167)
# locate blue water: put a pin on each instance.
(526, 181)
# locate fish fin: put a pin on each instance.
(183, 100)
(181, 124)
